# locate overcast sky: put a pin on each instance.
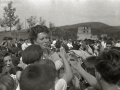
(67, 12)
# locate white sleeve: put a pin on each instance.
(23, 47)
(18, 87)
(58, 64)
(61, 85)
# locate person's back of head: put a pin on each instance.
(32, 54)
(7, 83)
(58, 44)
(108, 66)
(90, 64)
(2, 87)
(90, 61)
(38, 77)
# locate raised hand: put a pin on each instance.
(62, 53)
(76, 65)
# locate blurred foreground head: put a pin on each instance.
(38, 77)
(108, 66)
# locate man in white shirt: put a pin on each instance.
(25, 44)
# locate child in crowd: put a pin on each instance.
(107, 71)
(38, 77)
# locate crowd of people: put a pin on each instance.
(38, 63)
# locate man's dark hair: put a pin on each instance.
(38, 77)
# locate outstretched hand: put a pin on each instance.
(76, 65)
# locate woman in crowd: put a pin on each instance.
(39, 35)
(7, 59)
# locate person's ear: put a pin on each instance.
(98, 76)
(18, 74)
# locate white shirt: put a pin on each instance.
(54, 42)
(70, 45)
(117, 44)
(103, 44)
(24, 46)
(61, 85)
(18, 87)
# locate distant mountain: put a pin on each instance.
(92, 24)
(97, 27)
(117, 27)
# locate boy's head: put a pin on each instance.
(32, 54)
(7, 83)
(108, 66)
(38, 77)
(90, 64)
(90, 61)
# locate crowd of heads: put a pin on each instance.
(40, 63)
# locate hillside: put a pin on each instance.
(98, 28)
(117, 27)
(92, 24)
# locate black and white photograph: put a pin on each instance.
(59, 44)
